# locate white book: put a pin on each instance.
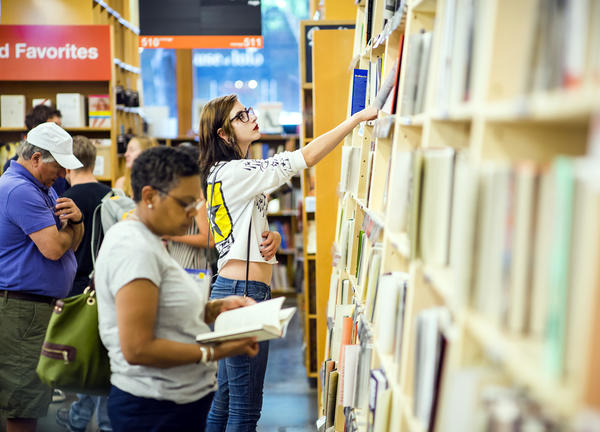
(345, 168)
(41, 101)
(351, 357)
(438, 166)
(350, 248)
(462, 230)
(398, 199)
(386, 310)
(460, 50)
(426, 361)
(576, 38)
(72, 108)
(265, 320)
(490, 297)
(409, 92)
(544, 228)
(445, 58)
(354, 174)
(423, 72)
(12, 111)
(523, 213)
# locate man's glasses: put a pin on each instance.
(244, 115)
(187, 207)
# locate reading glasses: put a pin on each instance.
(243, 115)
(187, 207)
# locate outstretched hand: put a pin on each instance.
(369, 113)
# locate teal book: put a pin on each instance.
(562, 177)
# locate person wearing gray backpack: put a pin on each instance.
(87, 193)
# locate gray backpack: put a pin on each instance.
(114, 207)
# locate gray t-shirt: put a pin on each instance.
(131, 251)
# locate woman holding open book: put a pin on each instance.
(236, 191)
(150, 310)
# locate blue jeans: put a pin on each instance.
(238, 401)
(129, 413)
(83, 408)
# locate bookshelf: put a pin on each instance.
(122, 17)
(308, 29)
(466, 247)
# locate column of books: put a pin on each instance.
(465, 292)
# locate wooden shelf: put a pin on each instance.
(427, 6)
(400, 242)
(521, 359)
(559, 106)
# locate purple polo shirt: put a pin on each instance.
(27, 206)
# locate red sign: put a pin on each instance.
(55, 53)
(207, 42)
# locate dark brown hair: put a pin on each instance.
(213, 148)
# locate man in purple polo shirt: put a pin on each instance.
(38, 234)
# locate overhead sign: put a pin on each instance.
(55, 53)
(213, 24)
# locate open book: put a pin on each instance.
(265, 320)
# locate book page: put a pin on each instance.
(261, 314)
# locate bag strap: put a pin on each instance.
(248, 258)
(97, 228)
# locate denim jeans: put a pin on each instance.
(129, 413)
(83, 408)
(238, 401)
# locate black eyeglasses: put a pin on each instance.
(187, 207)
(243, 115)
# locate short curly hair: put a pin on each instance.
(161, 167)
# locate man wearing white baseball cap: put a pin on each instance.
(38, 234)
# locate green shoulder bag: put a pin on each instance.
(73, 357)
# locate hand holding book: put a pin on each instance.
(264, 321)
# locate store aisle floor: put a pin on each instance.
(290, 404)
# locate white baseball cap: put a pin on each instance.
(50, 136)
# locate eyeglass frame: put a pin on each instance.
(187, 207)
(246, 111)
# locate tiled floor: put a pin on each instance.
(290, 404)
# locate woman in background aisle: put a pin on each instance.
(135, 146)
(189, 250)
(150, 310)
(235, 191)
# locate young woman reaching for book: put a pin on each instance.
(236, 191)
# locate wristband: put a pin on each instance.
(204, 353)
(212, 353)
(78, 222)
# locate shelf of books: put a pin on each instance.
(309, 190)
(465, 287)
(102, 109)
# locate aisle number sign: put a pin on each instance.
(206, 42)
(55, 53)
